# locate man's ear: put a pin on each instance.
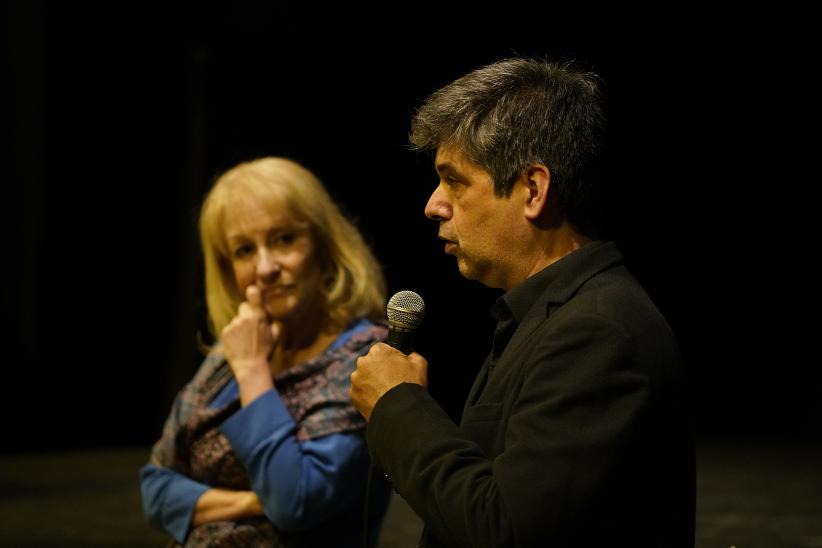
(537, 181)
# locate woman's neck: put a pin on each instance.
(303, 338)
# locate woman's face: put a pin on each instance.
(271, 251)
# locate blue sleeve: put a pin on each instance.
(300, 484)
(169, 499)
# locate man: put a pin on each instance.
(575, 432)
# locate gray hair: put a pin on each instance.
(518, 112)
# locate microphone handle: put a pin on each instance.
(400, 339)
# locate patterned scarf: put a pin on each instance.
(315, 394)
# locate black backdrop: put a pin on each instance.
(118, 120)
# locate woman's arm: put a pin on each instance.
(169, 499)
(300, 484)
(217, 504)
(174, 503)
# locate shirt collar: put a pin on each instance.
(558, 282)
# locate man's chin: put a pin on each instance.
(470, 271)
(465, 269)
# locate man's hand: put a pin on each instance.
(382, 369)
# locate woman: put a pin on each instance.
(263, 446)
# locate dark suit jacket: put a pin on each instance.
(577, 437)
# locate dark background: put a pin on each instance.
(116, 120)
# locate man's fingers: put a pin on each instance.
(382, 348)
(418, 360)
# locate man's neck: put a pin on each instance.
(548, 247)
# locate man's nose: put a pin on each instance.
(438, 208)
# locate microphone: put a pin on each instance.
(405, 311)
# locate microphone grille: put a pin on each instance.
(405, 309)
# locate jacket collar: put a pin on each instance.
(558, 282)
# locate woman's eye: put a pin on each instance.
(243, 251)
(287, 238)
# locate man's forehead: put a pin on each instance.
(450, 157)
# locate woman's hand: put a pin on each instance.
(248, 342)
(221, 504)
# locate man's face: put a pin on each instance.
(479, 228)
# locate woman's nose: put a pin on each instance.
(438, 208)
(268, 265)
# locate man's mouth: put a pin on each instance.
(450, 245)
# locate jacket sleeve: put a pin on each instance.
(300, 484)
(573, 411)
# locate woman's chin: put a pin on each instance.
(281, 310)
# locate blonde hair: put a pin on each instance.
(352, 281)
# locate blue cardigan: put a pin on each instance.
(325, 474)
